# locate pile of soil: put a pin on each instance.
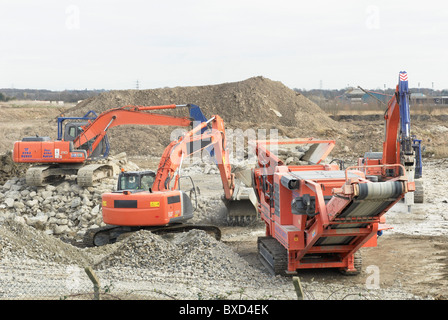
(20, 242)
(255, 103)
(9, 168)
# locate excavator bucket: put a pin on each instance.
(245, 176)
(241, 209)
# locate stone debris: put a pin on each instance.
(66, 210)
(194, 253)
(20, 242)
(8, 168)
(63, 208)
(60, 209)
(189, 265)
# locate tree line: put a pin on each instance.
(47, 95)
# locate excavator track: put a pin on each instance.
(35, 176)
(93, 172)
(357, 266)
(40, 175)
(273, 256)
(109, 234)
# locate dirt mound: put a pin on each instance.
(255, 103)
(20, 121)
(8, 168)
(20, 241)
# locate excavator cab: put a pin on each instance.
(136, 180)
(73, 129)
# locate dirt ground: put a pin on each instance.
(417, 264)
(412, 256)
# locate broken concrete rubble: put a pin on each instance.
(68, 210)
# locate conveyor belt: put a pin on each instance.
(373, 199)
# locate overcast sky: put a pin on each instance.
(111, 44)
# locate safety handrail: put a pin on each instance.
(375, 166)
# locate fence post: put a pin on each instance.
(95, 281)
(298, 287)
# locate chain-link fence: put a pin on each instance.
(68, 283)
(52, 281)
(44, 281)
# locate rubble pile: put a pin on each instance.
(194, 253)
(62, 208)
(67, 210)
(8, 168)
(20, 243)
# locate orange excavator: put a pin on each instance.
(63, 157)
(153, 200)
(399, 146)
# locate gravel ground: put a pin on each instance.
(190, 265)
(193, 265)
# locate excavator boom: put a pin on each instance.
(399, 146)
(123, 116)
(193, 142)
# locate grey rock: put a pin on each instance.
(46, 194)
(9, 202)
(76, 202)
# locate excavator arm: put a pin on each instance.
(210, 135)
(128, 115)
(397, 146)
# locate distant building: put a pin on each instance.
(358, 96)
(420, 98)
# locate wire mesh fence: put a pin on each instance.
(67, 283)
(44, 281)
(52, 281)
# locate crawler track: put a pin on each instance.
(273, 255)
(110, 234)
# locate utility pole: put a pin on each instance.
(137, 85)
